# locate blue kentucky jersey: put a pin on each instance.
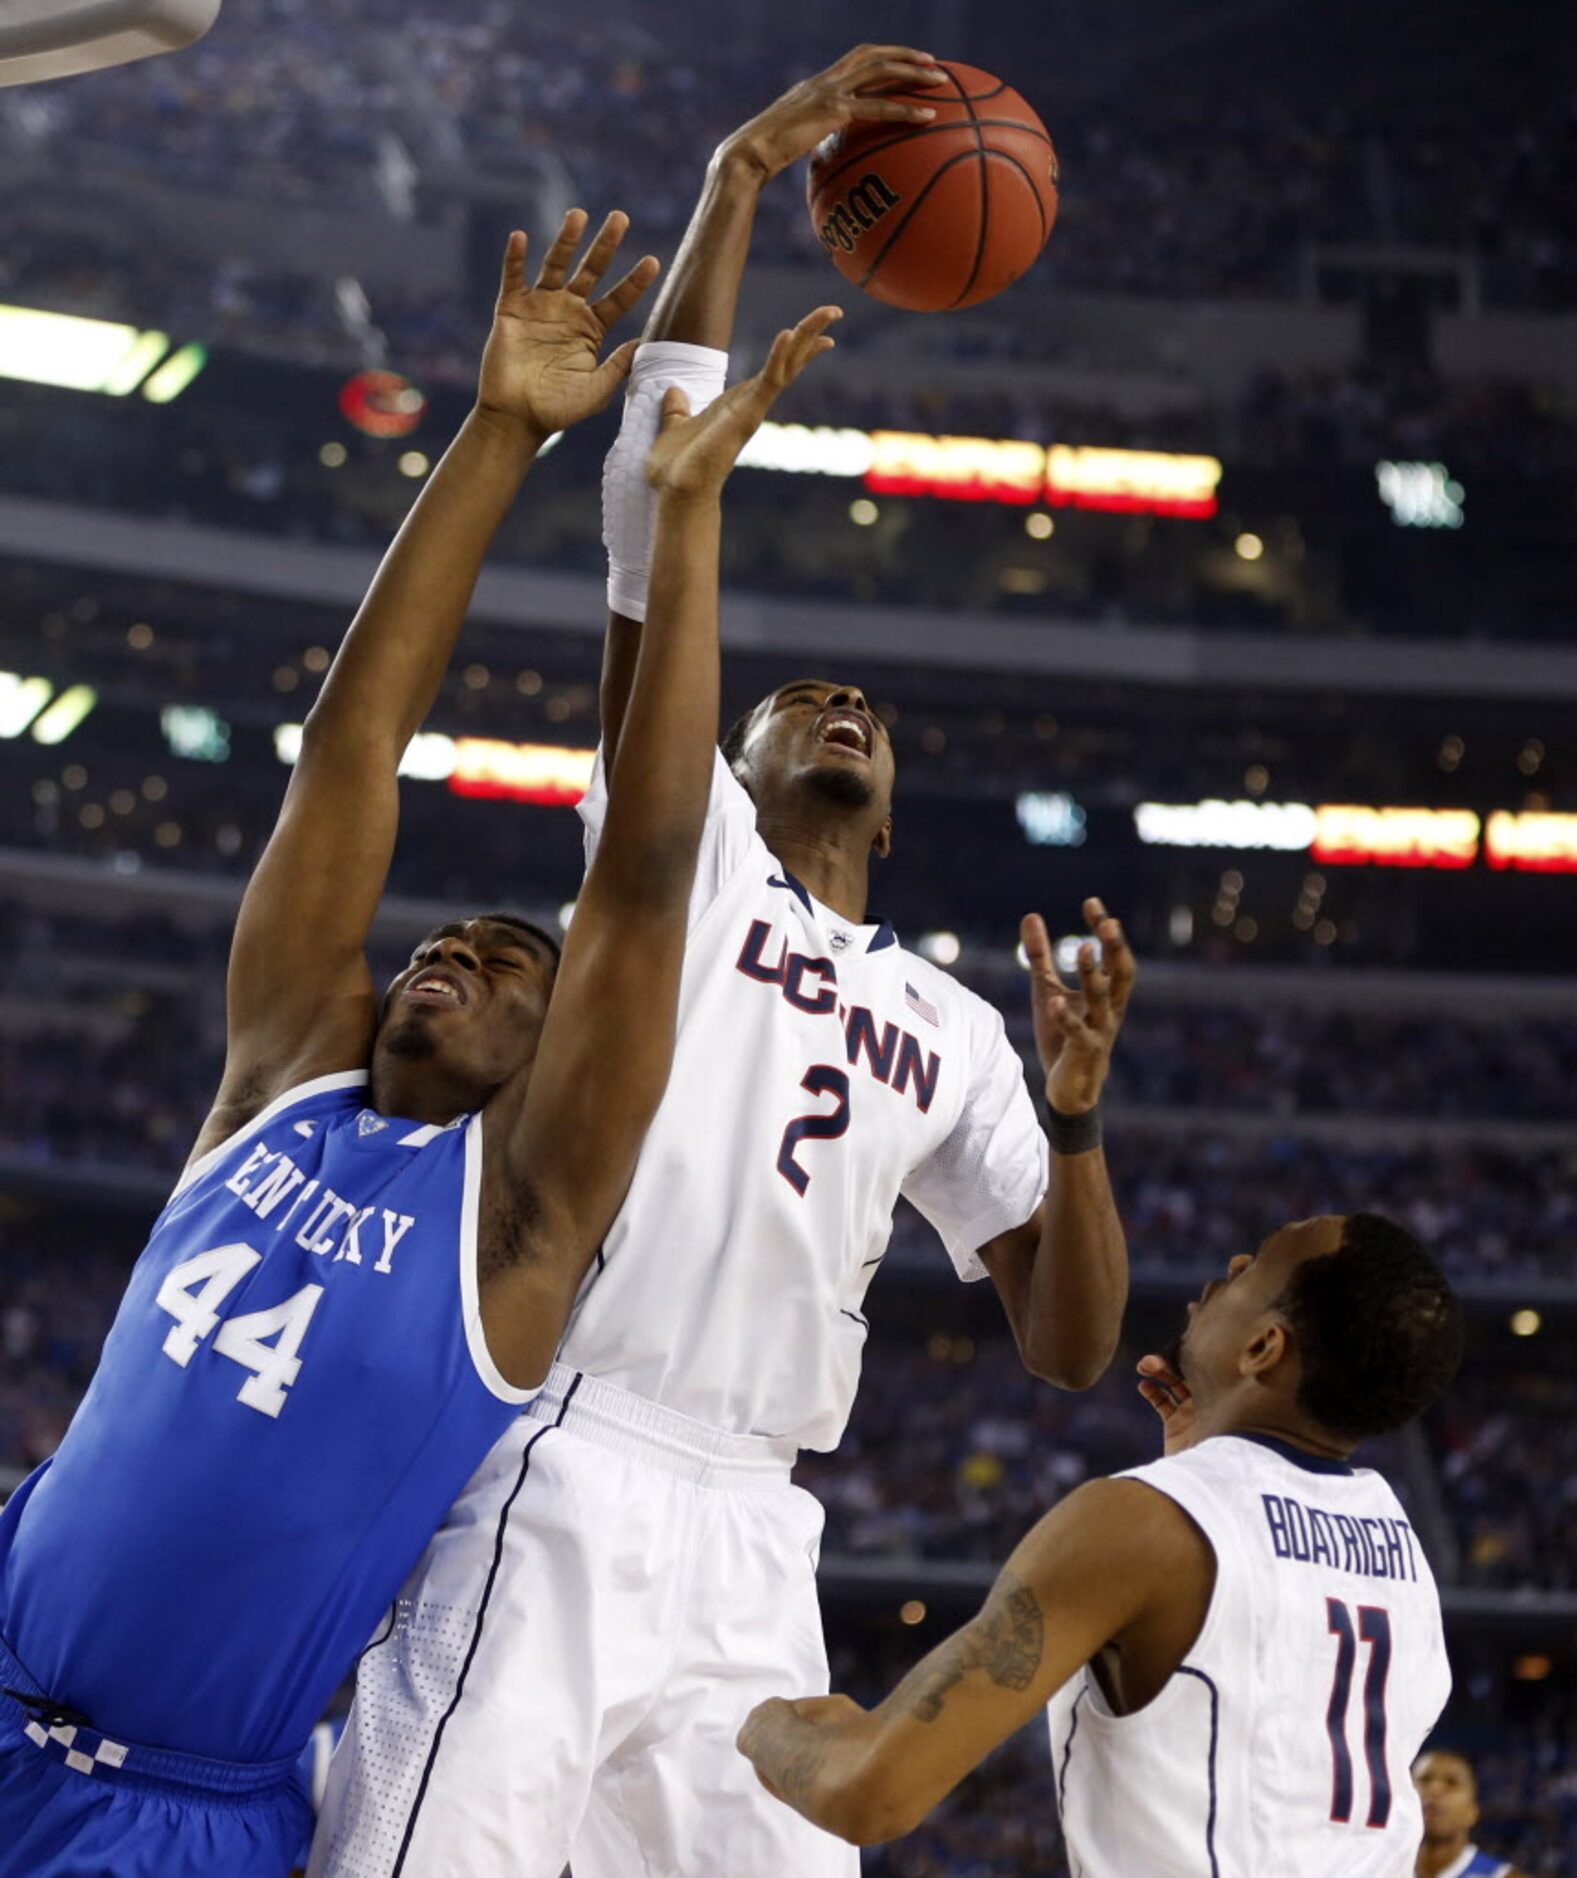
(1482, 1865)
(294, 1390)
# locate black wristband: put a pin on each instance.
(1073, 1134)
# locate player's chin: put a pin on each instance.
(844, 776)
(408, 1032)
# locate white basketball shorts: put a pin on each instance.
(569, 1665)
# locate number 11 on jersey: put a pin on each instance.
(1374, 1629)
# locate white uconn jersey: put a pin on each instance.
(1284, 1742)
(820, 1071)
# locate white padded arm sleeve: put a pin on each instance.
(629, 506)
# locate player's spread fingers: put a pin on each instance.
(810, 338)
(555, 264)
(512, 276)
(618, 300)
(595, 262)
(1093, 981)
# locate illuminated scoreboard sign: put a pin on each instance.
(1535, 842)
(1349, 834)
(550, 774)
(992, 469)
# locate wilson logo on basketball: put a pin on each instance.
(859, 212)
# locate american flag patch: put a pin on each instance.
(915, 1002)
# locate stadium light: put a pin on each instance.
(1420, 495)
(21, 700)
(1051, 819)
(76, 354)
(166, 384)
(55, 723)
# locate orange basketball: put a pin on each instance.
(939, 215)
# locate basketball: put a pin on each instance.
(941, 215)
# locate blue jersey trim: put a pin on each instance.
(319, 1085)
(1215, 1732)
(476, 1633)
(1299, 1457)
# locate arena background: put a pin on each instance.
(1331, 251)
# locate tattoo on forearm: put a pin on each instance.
(1006, 1640)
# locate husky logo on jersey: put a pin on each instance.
(841, 941)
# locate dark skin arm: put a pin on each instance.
(607, 1043)
(1117, 1572)
(701, 292)
(301, 1000)
(1063, 1275)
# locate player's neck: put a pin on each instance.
(420, 1093)
(1440, 1856)
(1230, 1417)
(824, 865)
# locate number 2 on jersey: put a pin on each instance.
(215, 1274)
(1374, 1628)
(822, 1080)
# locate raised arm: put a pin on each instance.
(696, 307)
(564, 1159)
(1063, 1274)
(301, 998)
(1115, 1562)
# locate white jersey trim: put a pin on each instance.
(319, 1085)
(470, 1290)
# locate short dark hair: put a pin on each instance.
(1379, 1329)
(733, 745)
(530, 926)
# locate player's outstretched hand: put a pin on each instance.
(693, 455)
(849, 92)
(1171, 1398)
(542, 366)
(1076, 1025)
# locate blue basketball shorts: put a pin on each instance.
(75, 1805)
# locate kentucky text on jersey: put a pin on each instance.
(266, 1179)
(1369, 1547)
(894, 1057)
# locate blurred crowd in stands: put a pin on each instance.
(118, 1048)
(1175, 192)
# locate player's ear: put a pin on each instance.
(1270, 1347)
(882, 841)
